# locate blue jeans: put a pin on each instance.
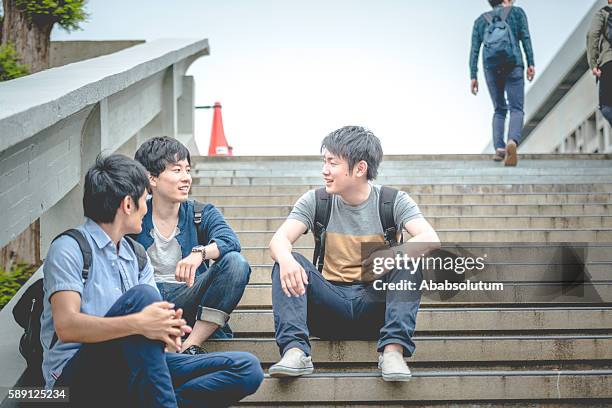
(214, 294)
(507, 82)
(607, 113)
(335, 311)
(135, 371)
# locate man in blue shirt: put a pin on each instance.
(105, 338)
(180, 246)
(504, 79)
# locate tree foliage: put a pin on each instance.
(12, 280)
(10, 67)
(67, 13)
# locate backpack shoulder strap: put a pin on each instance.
(139, 251)
(505, 13)
(198, 208)
(488, 17)
(322, 214)
(386, 202)
(83, 246)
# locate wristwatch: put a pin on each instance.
(200, 249)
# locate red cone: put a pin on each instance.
(218, 144)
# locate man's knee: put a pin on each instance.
(139, 297)
(235, 267)
(246, 372)
(301, 259)
(249, 371)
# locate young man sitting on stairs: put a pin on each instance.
(181, 236)
(335, 299)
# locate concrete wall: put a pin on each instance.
(67, 52)
(574, 125)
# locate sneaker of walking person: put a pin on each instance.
(504, 70)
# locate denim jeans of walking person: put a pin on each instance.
(135, 371)
(214, 294)
(335, 311)
(507, 89)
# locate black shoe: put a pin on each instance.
(195, 350)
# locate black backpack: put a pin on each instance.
(29, 308)
(198, 208)
(386, 200)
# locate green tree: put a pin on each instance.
(10, 67)
(27, 25)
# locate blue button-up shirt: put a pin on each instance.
(109, 275)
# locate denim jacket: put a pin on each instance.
(213, 225)
(517, 20)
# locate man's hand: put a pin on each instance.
(186, 268)
(597, 72)
(531, 73)
(293, 277)
(159, 321)
(474, 87)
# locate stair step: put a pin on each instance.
(492, 386)
(442, 188)
(462, 222)
(260, 254)
(429, 210)
(390, 173)
(423, 198)
(541, 235)
(260, 296)
(443, 349)
(466, 319)
(502, 272)
(391, 181)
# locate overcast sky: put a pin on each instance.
(289, 72)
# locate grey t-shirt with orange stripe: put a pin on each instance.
(350, 226)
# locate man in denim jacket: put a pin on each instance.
(206, 294)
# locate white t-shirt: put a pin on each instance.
(165, 253)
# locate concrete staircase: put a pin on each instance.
(533, 344)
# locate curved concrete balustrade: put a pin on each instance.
(55, 122)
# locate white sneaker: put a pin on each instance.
(394, 366)
(293, 364)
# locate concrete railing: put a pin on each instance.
(54, 123)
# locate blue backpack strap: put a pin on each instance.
(322, 214)
(386, 203)
(198, 209)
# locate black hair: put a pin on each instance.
(109, 181)
(495, 3)
(156, 153)
(353, 144)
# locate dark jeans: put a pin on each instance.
(214, 294)
(337, 311)
(135, 371)
(507, 82)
